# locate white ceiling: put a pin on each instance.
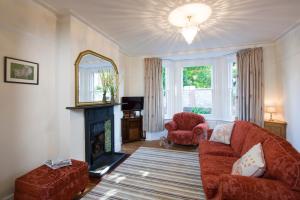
(141, 28)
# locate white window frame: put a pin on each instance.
(230, 64)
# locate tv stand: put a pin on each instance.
(132, 127)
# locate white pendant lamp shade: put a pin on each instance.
(189, 33)
(188, 17)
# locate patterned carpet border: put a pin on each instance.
(152, 173)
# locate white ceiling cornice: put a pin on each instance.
(291, 28)
(140, 28)
(60, 13)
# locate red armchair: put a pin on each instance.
(186, 128)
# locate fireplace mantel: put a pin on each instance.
(92, 106)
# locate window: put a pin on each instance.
(197, 89)
(233, 88)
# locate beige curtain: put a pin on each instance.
(153, 112)
(250, 85)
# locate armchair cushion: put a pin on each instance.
(251, 188)
(181, 137)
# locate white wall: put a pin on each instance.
(288, 57)
(272, 82)
(134, 76)
(28, 114)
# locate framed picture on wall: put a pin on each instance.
(20, 71)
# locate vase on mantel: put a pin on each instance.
(104, 97)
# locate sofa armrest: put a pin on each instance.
(171, 126)
(201, 129)
(250, 188)
(209, 133)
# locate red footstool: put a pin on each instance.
(45, 183)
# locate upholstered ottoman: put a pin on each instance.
(45, 183)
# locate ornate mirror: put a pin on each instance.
(96, 79)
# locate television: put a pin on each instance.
(132, 103)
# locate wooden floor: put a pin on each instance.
(130, 148)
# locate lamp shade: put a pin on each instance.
(270, 109)
(189, 33)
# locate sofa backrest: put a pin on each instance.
(239, 133)
(187, 120)
(254, 136)
(282, 161)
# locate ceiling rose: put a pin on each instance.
(188, 17)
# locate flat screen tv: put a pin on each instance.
(132, 103)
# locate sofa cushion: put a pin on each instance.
(238, 136)
(187, 120)
(217, 165)
(211, 169)
(251, 163)
(283, 161)
(222, 133)
(181, 137)
(215, 148)
(255, 135)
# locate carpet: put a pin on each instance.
(152, 173)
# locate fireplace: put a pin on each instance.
(99, 138)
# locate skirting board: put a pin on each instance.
(155, 135)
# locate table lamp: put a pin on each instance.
(271, 110)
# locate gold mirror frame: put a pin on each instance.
(87, 52)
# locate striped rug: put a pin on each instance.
(152, 173)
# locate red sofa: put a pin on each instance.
(185, 128)
(281, 180)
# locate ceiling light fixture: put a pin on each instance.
(188, 18)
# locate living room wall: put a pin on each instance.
(288, 58)
(28, 115)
